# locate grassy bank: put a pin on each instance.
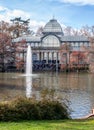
(49, 125)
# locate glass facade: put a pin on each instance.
(50, 41)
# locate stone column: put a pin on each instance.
(42, 55)
(52, 55)
(57, 56)
(47, 57)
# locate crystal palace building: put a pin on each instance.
(48, 51)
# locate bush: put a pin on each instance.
(51, 110)
(28, 109)
(8, 113)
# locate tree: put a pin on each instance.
(6, 50)
(4, 27)
(68, 30)
(71, 31)
(20, 50)
(39, 31)
(85, 31)
(20, 27)
(65, 55)
(78, 56)
(91, 54)
(10, 53)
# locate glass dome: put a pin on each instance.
(52, 27)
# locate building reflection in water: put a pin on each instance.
(77, 88)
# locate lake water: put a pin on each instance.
(77, 88)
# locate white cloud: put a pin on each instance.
(63, 26)
(80, 2)
(36, 24)
(7, 14)
(2, 8)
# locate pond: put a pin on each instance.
(77, 88)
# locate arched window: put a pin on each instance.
(50, 41)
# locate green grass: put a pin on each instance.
(49, 125)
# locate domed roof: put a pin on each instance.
(52, 26)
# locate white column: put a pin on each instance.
(55, 55)
(47, 57)
(59, 56)
(52, 55)
(43, 55)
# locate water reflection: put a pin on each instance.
(78, 89)
(80, 103)
(28, 86)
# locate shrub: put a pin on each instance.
(28, 109)
(7, 113)
(51, 110)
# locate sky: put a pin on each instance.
(75, 13)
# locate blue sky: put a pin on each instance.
(75, 13)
